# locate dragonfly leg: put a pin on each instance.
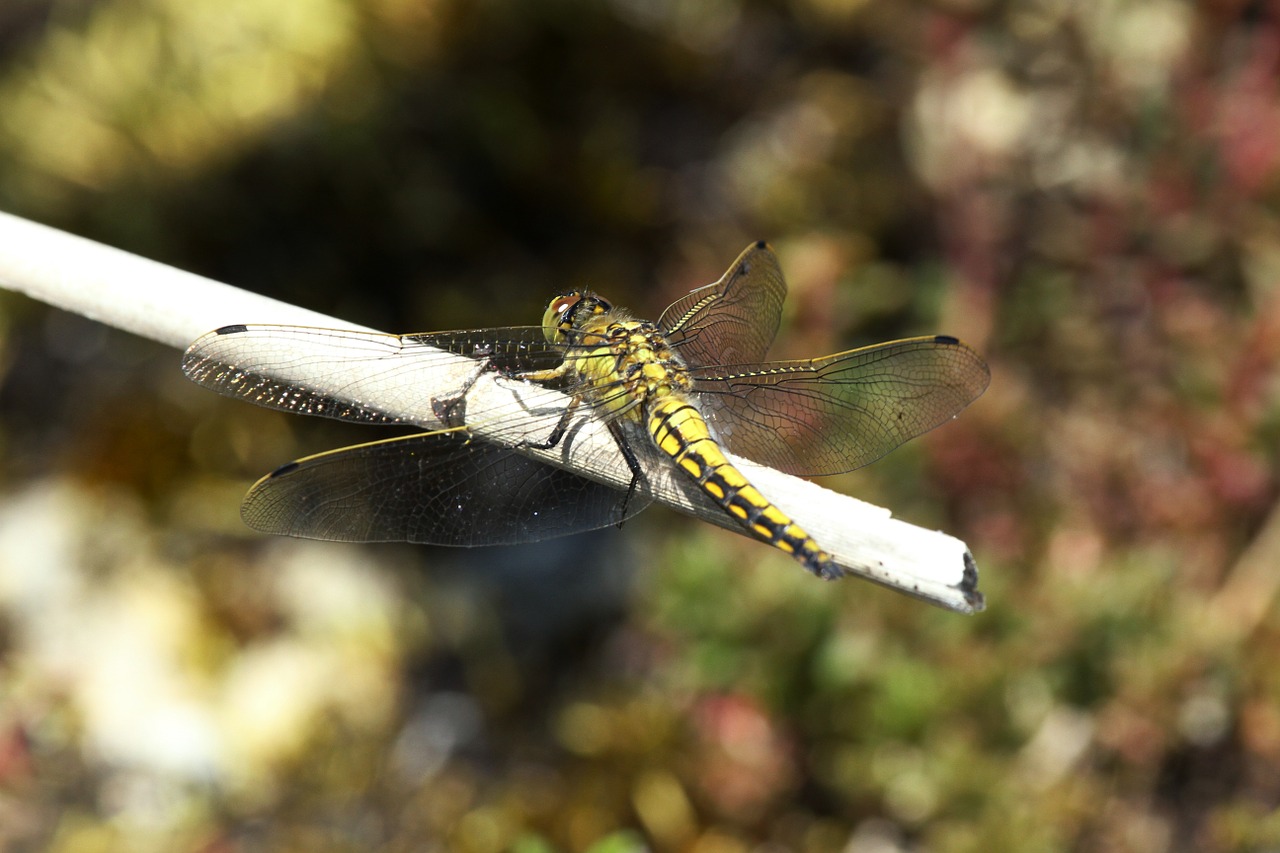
(637, 473)
(558, 433)
(452, 411)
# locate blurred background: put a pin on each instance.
(1088, 193)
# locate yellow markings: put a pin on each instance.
(670, 444)
(732, 478)
(760, 503)
(711, 456)
(680, 432)
(775, 515)
(686, 419)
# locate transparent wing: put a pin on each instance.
(836, 413)
(440, 488)
(733, 321)
(247, 362)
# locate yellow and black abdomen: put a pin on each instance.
(680, 431)
(632, 371)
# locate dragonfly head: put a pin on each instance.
(570, 311)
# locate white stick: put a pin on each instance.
(175, 307)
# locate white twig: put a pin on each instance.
(175, 307)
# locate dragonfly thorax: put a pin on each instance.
(627, 363)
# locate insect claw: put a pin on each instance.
(450, 411)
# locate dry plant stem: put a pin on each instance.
(175, 307)
(1243, 601)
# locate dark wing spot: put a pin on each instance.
(231, 330)
(946, 339)
(284, 469)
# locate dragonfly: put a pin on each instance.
(683, 391)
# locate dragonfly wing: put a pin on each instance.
(296, 368)
(837, 413)
(734, 320)
(441, 488)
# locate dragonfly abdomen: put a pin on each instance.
(680, 431)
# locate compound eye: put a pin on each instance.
(561, 304)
